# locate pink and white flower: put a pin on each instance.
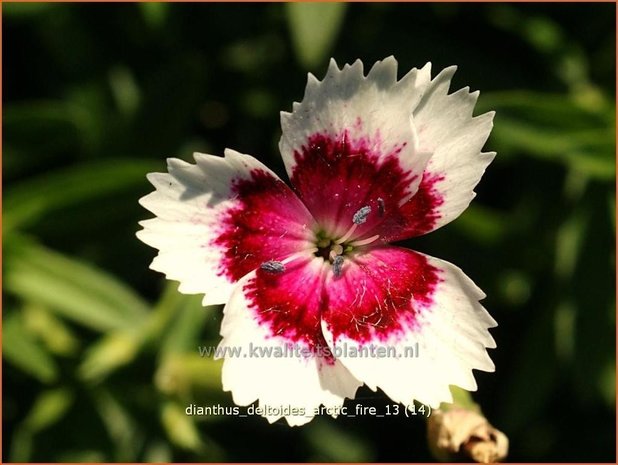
(371, 160)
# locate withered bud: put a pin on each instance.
(461, 434)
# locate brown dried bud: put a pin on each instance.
(458, 433)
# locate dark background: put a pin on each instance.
(99, 353)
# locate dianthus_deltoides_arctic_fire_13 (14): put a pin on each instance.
(372, 160)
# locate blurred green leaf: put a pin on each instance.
(251, 55)
(180, 428)
(155, 13)
(29, 201)
(183, 334)
(52, 331)
(21, 349)
(592, 287)
(158, 452)
(112, 351)
(81, 456)
(588, 151)
(515, 286)
(314, 28)
(607, 384)
(461, 398)
(550, 110)
(569, 243)
(48, 409)
(189, 374)
(555, 128)
(21, 446)
(564, 331)
(549, 39)
(259, 103)
(543, 33)
(122, 428)
(163, 312)
(124, 87)
(19, 10)
(73, 288)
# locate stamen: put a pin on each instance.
(359, 218)
(369, 240)
(381, 207)
(361, 215)
(273, 266)
(347, 235)
(337, 265)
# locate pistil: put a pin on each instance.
(335, 250)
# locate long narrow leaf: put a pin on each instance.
(30, 200)
(73, 288)
(22, 350)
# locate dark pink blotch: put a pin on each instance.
(376, 299)
(417, 216)
(289, 304)
(336, 175)
(265, 223)
(381, 296)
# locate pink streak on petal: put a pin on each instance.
(289, 304)
(336, 175)
(266, 222)
(380, 295)
(418, 215)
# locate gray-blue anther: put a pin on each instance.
(381, 206)
(337, 265)
(273, 266)
(361, 215)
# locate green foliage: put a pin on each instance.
(20, 348)
(313, 28)
(73, 288)
(42, 195)
(100, 356)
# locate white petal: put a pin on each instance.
(448, 325)
(192, 203)
(347, 106)
(446, 127)
(303, 383)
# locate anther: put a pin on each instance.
(359, 218)
(273, 266)
(361, 215)
(381, 207)
(337, 265)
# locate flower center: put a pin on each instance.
(335, 249)
(328, 249)
(331, 249)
